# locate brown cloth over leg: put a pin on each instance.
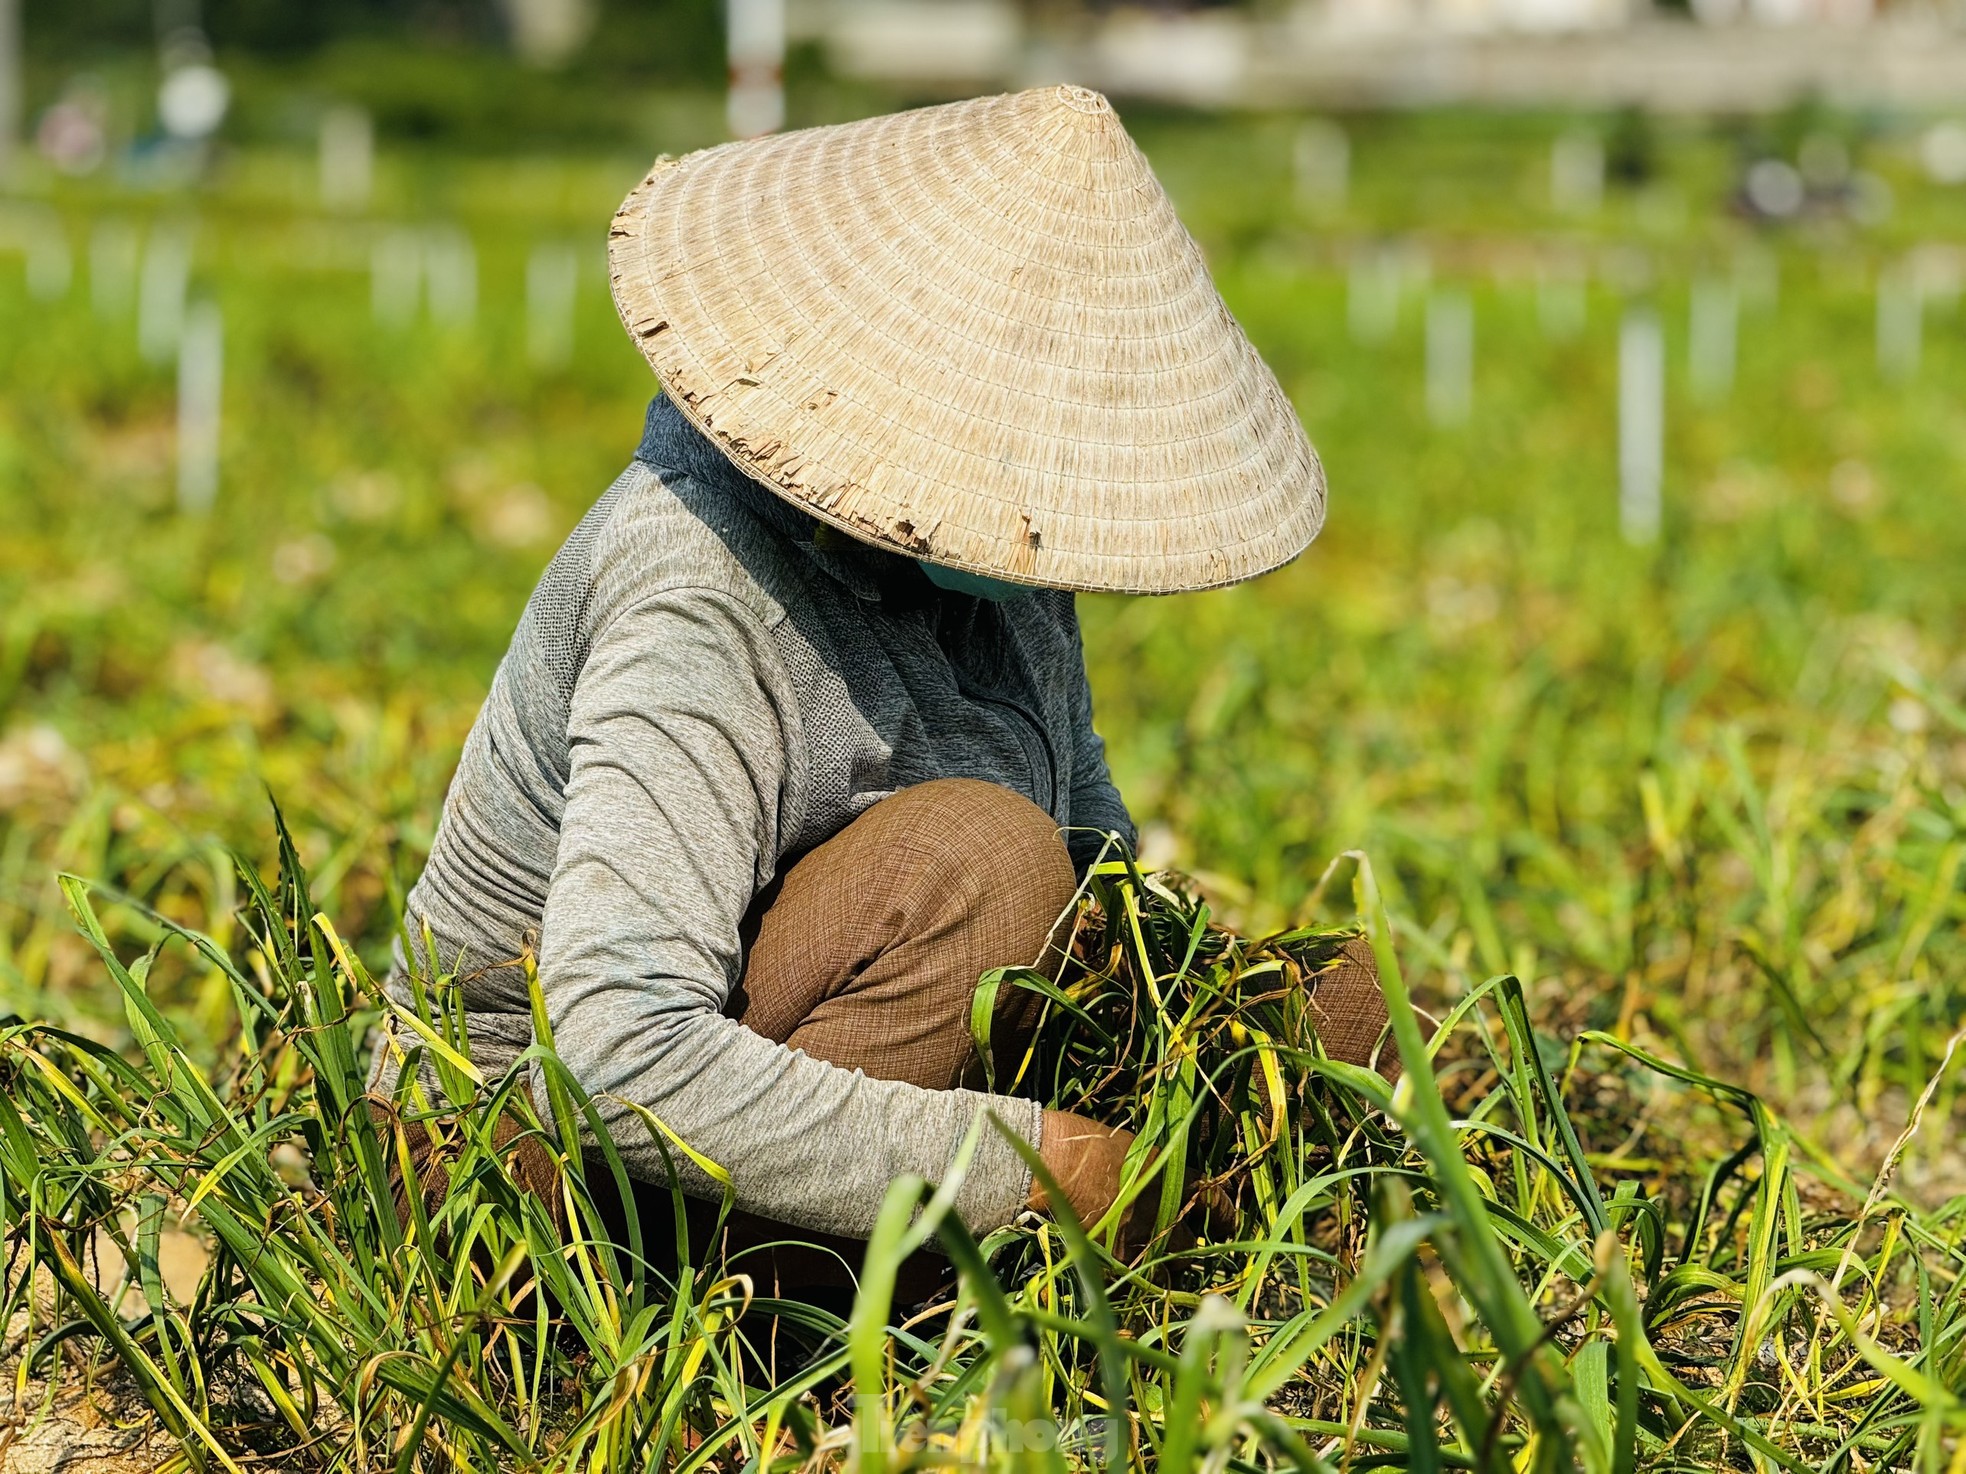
(1349, 1010)
(867, 953)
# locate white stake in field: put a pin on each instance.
(1450, 357)
(552, 279)
(200, 379)
(50, 266)
(114, 251)
(450, 265)
(36, 232)
(755, 50)
(1900, 323)
(1321, 159)
(347, 158)
(1758, 278)
(1577, 172)
(395, 276)
(1939, 270)
(1712, 337)
(161, 290)
(1372, 292)
(1641, 424)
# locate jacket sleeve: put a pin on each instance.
(1097, 808)
(681, 734)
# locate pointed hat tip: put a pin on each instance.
(1082, 99)
(1079, 114)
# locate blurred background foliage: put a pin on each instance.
(671, 40)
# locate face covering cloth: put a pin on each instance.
(974, 584)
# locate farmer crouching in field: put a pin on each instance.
(794, 739)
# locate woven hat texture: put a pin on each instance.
(976, 334)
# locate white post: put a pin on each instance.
(755, 48)
(1641, 424)
(50, 267)
(1450, 357)
(1937, 272)
(114, 251)
(1577, 172)
(395, 276)
(347, 158)
(200, 377)
(552, 276)
(160, 292)
(1713, 331)
(1322, 163)
(1900, 323)
(451, 268)
(1372, 292)
(547, 33)
(11, 108)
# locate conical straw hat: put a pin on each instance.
(975, 334)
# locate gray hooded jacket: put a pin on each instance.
(698, 692)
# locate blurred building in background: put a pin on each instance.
(576, 69)
(1707, 55)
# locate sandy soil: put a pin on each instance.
(95, 1422)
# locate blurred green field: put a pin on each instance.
(1708, 795)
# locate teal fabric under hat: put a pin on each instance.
(974, 584)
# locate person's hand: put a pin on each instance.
(1086, 1159)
